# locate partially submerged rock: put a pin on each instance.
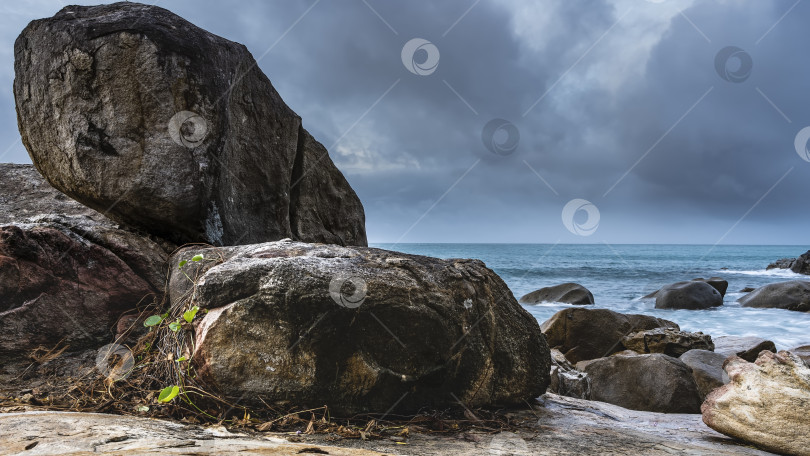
(718, 283)
(766, 403)
(653, 383)
(707, 369)
(360, 329)
(791, 295)
(583, 333)
(668, 341)
(800, 265)
(135, 112)
(803, 352)
(568, 293)
(746, 347)
(692, 295)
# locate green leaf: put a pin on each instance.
(174, 326)
(168, 393)
(190, 313)
(154, 320)
(182, 263)
(197, 258)
(182, 358)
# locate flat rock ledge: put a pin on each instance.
(558, 426)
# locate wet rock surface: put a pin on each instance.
(558, 426)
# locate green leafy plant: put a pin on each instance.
(168, 393)
(190, 314)
(154, 320)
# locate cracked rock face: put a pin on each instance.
(766, 403)
(159, 124)
(359, 329)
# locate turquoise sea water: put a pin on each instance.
(618, 275)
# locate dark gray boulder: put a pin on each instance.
(800, 265)
(358, 329)
(652, 383)
(803, 352)
(707, 369)
(569, 293)
(718, 283)
(791, 295)
(693, 295)
(161, 125)
(583, 333)
(746, 347)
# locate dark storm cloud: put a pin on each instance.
(614, 77)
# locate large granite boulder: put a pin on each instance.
(164, 126)
(693, 295)
(668, 341)
(791, 295)
(766, 403)
(67, 273)
(746, 347)
(800, 265)
(707, 369)
(568, 293)
(358, 329)
(653, 383)
(583, 333)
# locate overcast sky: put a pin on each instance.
(638, 113)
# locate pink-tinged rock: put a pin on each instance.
(767, 403)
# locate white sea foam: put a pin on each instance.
(776, 273)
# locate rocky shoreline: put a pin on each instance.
(183, 248)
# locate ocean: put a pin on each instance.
(619, 275)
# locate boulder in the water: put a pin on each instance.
(568, 293)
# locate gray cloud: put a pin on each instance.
(615, 76)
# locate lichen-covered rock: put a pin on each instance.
(583, 333)
(569, 293)
(359, 329)
(766, 403)
(164, 126)
(653, 383)
(668, 341)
